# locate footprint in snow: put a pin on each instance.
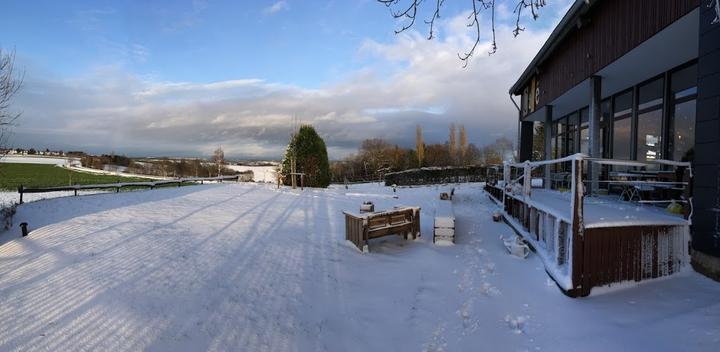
(489, 290)
(437, 342)
(516, 324)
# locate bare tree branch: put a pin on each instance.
(9, 85)
(408, 10)
(435, 16)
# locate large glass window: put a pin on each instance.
(562, 124)
(570, 135)
(584, 131)
(553, 141)
(605, 118)
(622, 125)
(684, 93)
(650, 120)
(649, 135)
(684, 131)
(621, 138)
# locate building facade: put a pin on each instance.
(633, 80)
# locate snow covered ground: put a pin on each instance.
(248, 267)
(265, 174)
(29, 159)
(120, 173)
(10, 197)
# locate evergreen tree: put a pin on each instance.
(310, 155)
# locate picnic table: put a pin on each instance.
(634, 183)
(400, 220)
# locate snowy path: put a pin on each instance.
(247, 267)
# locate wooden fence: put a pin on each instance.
(117, 186)
(438, 175)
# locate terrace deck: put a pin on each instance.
(607, 241)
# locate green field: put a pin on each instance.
(39, 175)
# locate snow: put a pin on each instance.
(119, 172)
(602, 211)
(249, 267)
(26, 159)
(9, 197)
(267, 174)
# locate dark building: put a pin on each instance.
(634, 80)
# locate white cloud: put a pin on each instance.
(277, 7)
(404, 82)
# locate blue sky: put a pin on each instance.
(181, 77)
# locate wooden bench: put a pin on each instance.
(360, 228)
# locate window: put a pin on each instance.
(622, 125)
(621, 139)
(570, 135)
(605, 119)
(682, 126)
(649, 135)
(562, 124)
(683, 131)
(623, 104)
(650, 121)
(585, 131)
(553, 143)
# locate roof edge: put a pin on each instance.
(555, 37)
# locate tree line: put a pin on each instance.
(376, 156)
(164, 167)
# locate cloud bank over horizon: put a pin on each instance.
(401, 83)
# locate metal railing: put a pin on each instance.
(117, 186)
(630, 182)
(554, 229)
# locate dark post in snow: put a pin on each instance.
(594, 129)
(20, 190)
(577, 221)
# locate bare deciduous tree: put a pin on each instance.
(408, 10)
(219, 159)
(10, 83)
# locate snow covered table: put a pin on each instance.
(360, 228)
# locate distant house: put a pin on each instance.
(632, 80)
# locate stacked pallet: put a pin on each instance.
(444, 223)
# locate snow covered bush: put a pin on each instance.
(310, 155)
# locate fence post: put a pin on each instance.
(506, 182)
(20, 190)
(527, 179)
(578, 226)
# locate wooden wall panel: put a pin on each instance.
(611, 29)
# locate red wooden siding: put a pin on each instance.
(611, 29)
